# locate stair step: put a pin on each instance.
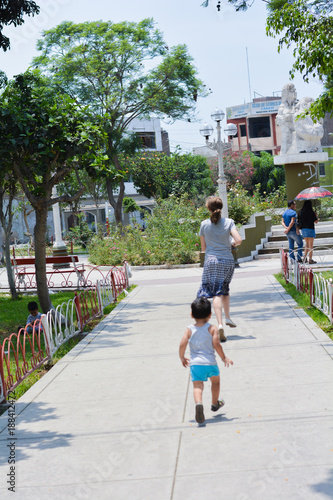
(271, 249)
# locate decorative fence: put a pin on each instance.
(305, 280)
(22, 353)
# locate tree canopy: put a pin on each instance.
(43, 137)
(121, 71)
(12, 12)
(156, 175)
(310, 36)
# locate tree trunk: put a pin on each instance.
(40, 259)
(25, 216)
(9, 268)
(6, 220)
(117, 205)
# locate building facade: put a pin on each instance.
(153, 138)
(256, 125)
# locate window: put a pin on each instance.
(242, 129)
(322, 172)
(259, 127)
(148, 139)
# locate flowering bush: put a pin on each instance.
(237, 168)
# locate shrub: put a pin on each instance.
(324, 208)
(80, 234)
(171, 237)
(240, 204)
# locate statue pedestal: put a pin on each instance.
(301, 170)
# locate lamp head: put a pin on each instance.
(206, 131)
(230, 130)
(217, 115)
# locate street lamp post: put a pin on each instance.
(220, 146)
(59, 247)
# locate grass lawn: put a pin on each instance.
(303, 301)
(327, 275)
(14, 314)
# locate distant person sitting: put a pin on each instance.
(33, 316)
(291, 230)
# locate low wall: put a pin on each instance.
(254, 235)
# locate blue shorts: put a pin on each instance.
(308, 233)
(203, 372)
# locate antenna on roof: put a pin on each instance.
(248, 74)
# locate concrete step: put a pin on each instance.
(324, 238)
(272, 245)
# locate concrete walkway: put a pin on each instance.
(114, 419)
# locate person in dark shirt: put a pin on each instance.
(292, 232)
(307, 219)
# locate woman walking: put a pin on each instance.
(217, 234)
(307, 218)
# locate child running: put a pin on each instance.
(204, 341)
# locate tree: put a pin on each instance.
(130, 205)
(43, 135)
(94, 186)
(121, 71)
(8, 190)
(313, 51)
(157, 175)
(12, 12)
(266, 173)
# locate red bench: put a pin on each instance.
(57, 267)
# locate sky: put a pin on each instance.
(231, 51)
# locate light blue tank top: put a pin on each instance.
(201, 346)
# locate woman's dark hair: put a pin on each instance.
(214, 205)
(201, 308)
(307, 206)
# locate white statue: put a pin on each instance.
(285, 119)
(300, 135)
(308, 133)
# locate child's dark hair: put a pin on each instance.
(201, 308)
(32, 306)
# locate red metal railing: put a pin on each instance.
(22, 353)
(15, 362)
(87, 306)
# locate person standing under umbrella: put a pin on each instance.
(307, 219)
(291, 230)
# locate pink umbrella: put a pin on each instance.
(313, 193)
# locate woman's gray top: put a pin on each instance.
(217, 237)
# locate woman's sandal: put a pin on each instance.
(219, 405)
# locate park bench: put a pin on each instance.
(58, 271)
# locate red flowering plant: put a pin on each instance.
(237, 166)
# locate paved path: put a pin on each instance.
(114, 419)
